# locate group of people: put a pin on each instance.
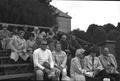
(56, 58)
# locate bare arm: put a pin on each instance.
(51, 59)
(65, 60)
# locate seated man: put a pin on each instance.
(40, 56)
(93, 66)
(109, 63)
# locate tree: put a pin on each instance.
(118, 26)
(113, 35)
(96, 34)
(108, 27)
(79, 33)
(32, 12)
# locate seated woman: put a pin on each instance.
(76, 69)
(6, 42)
(60, 59)
(18, 47)
(29, 45)
(109, 64)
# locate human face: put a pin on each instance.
(43, 46)
(25, 28)
(81, 56)
(80, 53)
(31, 38)
(58, 47)
(106, 51)
(64, 37)
(73, 37)
(21, 35)
(93, 54)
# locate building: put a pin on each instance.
(64, 21)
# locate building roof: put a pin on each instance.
(61, 13)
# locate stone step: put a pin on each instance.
(7, 69)
(7, 60)
(5, 53)
(13, 65)
(15, 76)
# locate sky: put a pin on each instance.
(84, 13)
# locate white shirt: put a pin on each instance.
(40, 56)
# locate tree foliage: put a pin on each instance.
(96, 34)
(113, 35)
(108, 27)
(79, 34)
(32, 12)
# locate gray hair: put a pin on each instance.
(79, 51)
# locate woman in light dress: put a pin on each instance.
(76, 69)
(18, 47)
(60, 59)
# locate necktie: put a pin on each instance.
(92, 63)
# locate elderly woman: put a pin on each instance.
(18, 47)
(76, 69)
(60, 59)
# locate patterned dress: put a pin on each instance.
(18, 47)
(76, 70)
(60, 59)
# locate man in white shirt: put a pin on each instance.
(40, 56)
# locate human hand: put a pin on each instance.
(46, 70)
(96, 71)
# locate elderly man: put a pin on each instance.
(64, 43)
(109, 63)
(40, 56)
(76, 70)
(93, 66)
